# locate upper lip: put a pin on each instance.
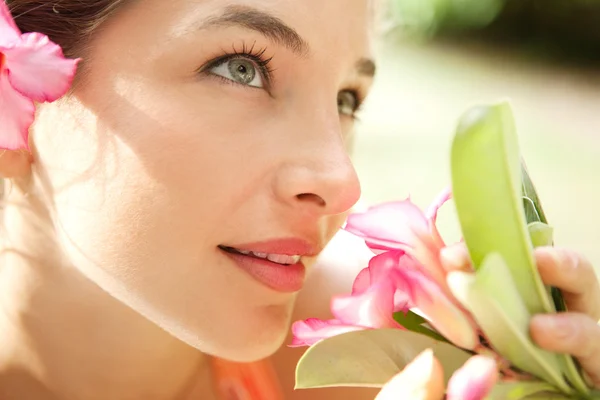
(283, 246)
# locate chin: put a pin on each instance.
(242, 337)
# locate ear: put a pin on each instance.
(15, 163)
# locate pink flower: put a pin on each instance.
(393, 282)
(442, 312)
(407, 274)
(32, 69)
(371, 305)
(401, 225)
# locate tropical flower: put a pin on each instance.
(371, 305)
(407, 274)
(401, 225)
(32, 69)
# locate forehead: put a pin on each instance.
(332, 27)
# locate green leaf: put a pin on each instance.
(495, 199)
(415, 323)
(491, 296)
(529, 191)
(369, 358)
(541, 234)
(487, 189)
(524, 390)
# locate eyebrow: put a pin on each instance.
(263, 23)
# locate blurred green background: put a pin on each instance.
(438, 57)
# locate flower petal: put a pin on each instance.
(362, 281)
(421, 379)
(9, 33)
(16, 116)
(442, 313)
(312, 330)
(440, 200)
(380, 269)
(374, 306)
(38, 69)
(474, 381)
(390, 225)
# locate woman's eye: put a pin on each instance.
(239, 70)
(347, 102)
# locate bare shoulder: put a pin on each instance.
(334, 273)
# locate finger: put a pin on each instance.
(570, 333)
(456, 258)
(474, 380)
(574, 275)
(422, 379)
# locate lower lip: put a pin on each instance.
(281, 278)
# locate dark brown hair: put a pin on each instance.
(69, 23)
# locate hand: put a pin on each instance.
(576, 332)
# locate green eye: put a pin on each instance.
(239, 70)
(347, 102)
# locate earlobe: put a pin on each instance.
(15, 163)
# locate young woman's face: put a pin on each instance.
(202, 127)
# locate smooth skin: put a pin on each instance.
(112, 284)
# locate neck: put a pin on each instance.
(65, 338)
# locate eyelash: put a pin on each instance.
(257, 56)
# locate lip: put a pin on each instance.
(285, 246)
(281, 278)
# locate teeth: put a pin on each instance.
(276, 258)
(281, 259)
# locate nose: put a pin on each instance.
(317, 175)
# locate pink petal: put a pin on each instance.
(16, 116)
(432, 213)
(389, 226)
(362, 281)
(310, 331)
(372, 309)
(380, 267)
(429, 297)
(9, 32)
(38, 69)
(474, 381)
(440, 200)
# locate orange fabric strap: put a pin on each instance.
(246, 381)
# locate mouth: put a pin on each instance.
(276, 264)
(281, 259)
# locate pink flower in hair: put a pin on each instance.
(32, 69)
